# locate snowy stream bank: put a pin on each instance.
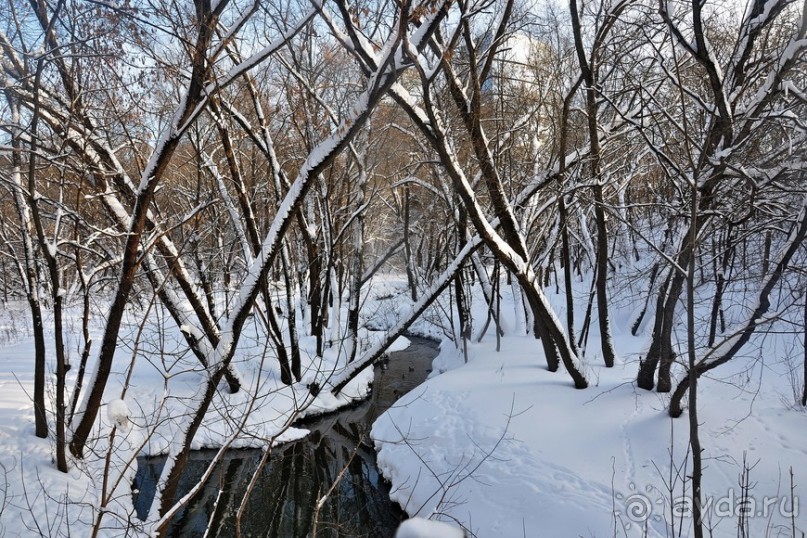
(300, 473)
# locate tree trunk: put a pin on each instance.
(276, 334)
(40, 416)
(606, 341)
(291, 314)
(720, 284)
(426, 299)
(766, 253)
(804, 376)
(514, 256)
(567, 273)
(357, 268)
(661, 351)
(692, 378)
(652, 281)
(665, 348)
(50, 252)
(30, 274)
(315, 291)
(646, 379)
(85, 330)
(588, 70)
(410, 273)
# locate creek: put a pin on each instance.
(284, 501)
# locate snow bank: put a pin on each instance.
(508, 448)
(160, 382)
(418, 527)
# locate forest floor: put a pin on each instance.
(498, 444)
(506, 448)
(36, 499)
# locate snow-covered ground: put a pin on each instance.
(508, 449)
(148, 393)
(499, 445)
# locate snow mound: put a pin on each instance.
(418, 527)
(118, 413)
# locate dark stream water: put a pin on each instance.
(284, 501)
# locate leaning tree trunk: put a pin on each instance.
(661, 351)
(151, 176)
(514, 256)
(319, 158)
(654, 272)
(566, 256)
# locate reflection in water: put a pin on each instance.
(284, 500)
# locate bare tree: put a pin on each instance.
(589, 68)
(28, 269)
(738, 118)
